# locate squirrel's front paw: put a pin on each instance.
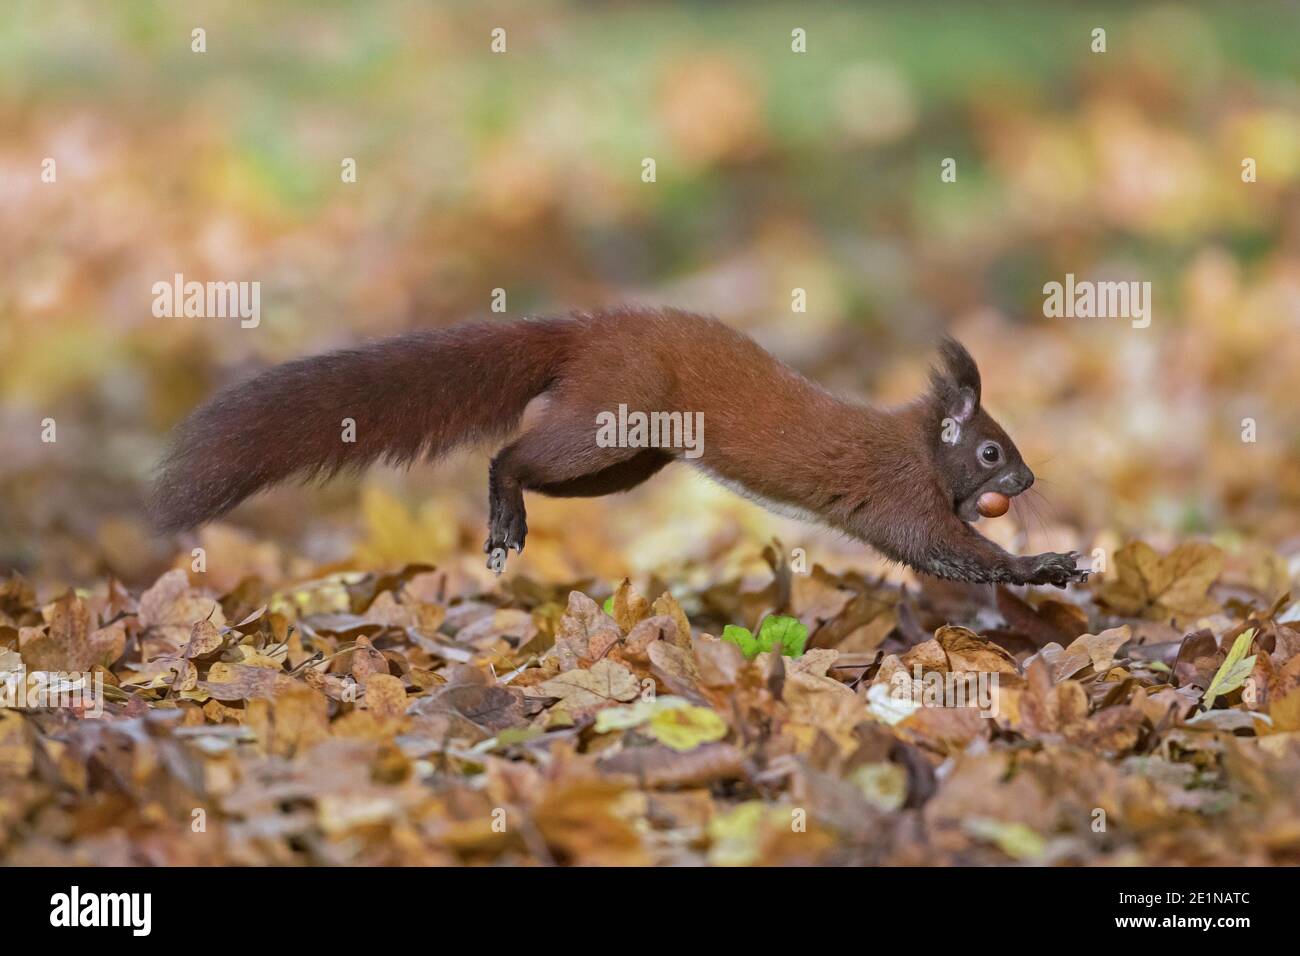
(1056, 569)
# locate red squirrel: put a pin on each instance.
(906, 480)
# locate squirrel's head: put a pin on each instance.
(971, 451)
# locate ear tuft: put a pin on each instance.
(959, 368)
(956, 385)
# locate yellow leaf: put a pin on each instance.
(883, 784)
(736, 835)
(1014, 839)
(635, 714)
(1234, 670)
(685, 728)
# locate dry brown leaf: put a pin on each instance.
(72, 642)
(385, 696)
(636, 646)
(1087, 650)
(967, 651)
(1046, 708)
(367, 661)
(718, 662)
(660, 766)
(487, 710)
(242, 681)
(585, 632)
(204, 639)
(667, 605)
(1143, 583)
(581, 824)
(629, 606)
(584, 691)
(676, 669)
(172, 606)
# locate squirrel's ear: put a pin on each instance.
(960, 367)
(957, 384)
(958, 404)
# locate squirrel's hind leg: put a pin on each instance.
(507, 519)
(620, 476)
(557, 456)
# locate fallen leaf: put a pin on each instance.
(1142, 583)
(685, 728)
(585, 632)
(586, 690)
(1234, 670)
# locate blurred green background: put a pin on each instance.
(776, 170)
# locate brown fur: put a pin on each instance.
(412, 396)
(881, 475)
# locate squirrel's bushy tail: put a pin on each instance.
(412, 396)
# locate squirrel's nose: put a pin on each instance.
(1017, 480)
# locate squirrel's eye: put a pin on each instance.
(990, 453)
